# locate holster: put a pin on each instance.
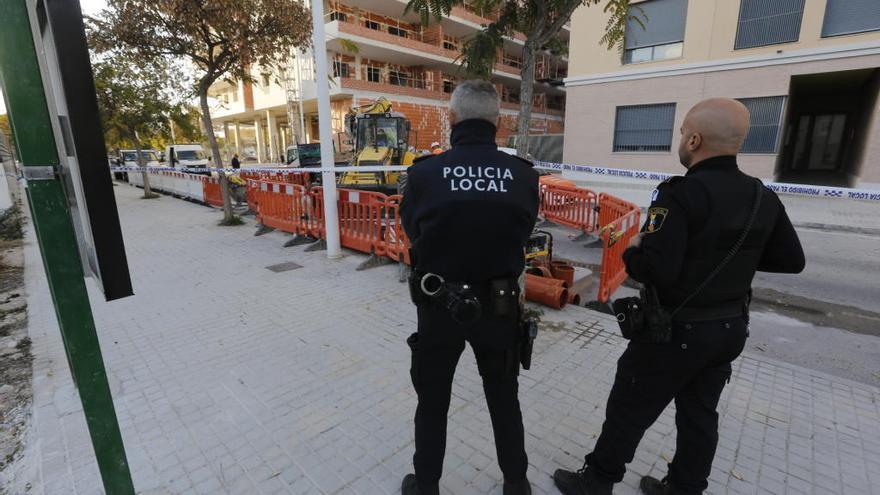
(529, 331)
(643, 319)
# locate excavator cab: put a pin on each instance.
(381, 138)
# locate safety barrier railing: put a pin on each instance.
(212, 194)
(619, 222)
(396, 241)
(362, 220)
(573, 207)
(370, 222)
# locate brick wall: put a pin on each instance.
(429, 122)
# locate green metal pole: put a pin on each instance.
(32, 129)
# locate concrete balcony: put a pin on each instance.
(386, 88)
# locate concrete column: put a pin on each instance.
(238, 137)
(258, 130)
(357, 67)
(272, 127)
(226, 141)
(284, 141)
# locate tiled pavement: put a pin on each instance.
(230, 378)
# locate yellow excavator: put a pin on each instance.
(381, 138)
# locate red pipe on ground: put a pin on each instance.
(546, 291)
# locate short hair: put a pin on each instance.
(475, 99)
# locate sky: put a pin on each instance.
(89, 7)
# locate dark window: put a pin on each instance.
(338, 16)
(373, 74)
(850, 17)
(766, 117)
(397, 31)
(644, 127)
(340, 69)
(397, 78)
(448, 45)
(448, 86)
(655, 30)
(768, 22)
(373, 25)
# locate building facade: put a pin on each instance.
(376, 50)
(806, 69)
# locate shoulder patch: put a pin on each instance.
(656, 217)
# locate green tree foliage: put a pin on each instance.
(136, 101)
(539, 20)
(220, 38)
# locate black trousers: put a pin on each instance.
(436, 349)
(691, 370)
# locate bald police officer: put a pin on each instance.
(693, 224)
(468, 213)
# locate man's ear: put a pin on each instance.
(695, 141)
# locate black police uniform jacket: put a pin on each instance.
(470, 211)
(692, 224)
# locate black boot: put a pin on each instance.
(652, 486)
(411, 486)
(520, 488)
(582, 482)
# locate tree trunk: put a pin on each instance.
(215, 152)
(148, 193)
(526, 92)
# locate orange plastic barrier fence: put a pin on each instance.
(620, 222)
(368, 221)
(396, 241)
(211, 188)
(573, 207)
(300, 178)
(361, 220)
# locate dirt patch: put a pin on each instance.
(16, 394)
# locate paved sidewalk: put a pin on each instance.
(230, 378)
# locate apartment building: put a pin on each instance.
(806, 69)
(375, 50)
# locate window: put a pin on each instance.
(448, 86)
(766, 117)
(373, 25)
(338, 16)
(265, 78)
(644, 127)
(397, 31)
(373, 74)
(397, 78)
(340, 69)
(655, 31)
(850, 17)
(768, 22)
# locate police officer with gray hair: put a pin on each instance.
(469, 213)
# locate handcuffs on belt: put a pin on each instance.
(458, 300)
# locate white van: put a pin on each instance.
(186, 156)
(128, 158)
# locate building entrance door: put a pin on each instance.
(827, 127)
(819, 142)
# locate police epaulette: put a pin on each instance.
(424, 157)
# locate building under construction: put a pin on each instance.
(375, 50)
